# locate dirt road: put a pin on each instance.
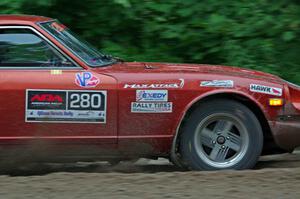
(275, 177)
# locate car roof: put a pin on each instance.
(22, 19)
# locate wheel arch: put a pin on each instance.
(248, 101)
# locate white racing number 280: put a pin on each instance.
(85, 100)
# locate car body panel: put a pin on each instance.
(150, 134)
(165, 125)
(13, 86)
(286, 127)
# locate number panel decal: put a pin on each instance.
(69, 106)
(86, 101)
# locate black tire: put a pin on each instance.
(240, 149)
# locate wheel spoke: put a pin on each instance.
(223, 125)
(228, 126)
(214, 153)
(222, 154)
(234, 141)
(208, 133)
(207, 137)
(219, 154)
(234, 138)
(206, 142)
(233, 146)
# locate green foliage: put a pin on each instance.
(258, 34)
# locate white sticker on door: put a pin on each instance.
(151, 107)
(151, 95)
(65, 106)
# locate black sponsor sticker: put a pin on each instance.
(46, 100)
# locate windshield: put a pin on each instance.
(80, 48)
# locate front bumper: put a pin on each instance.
(286, 132)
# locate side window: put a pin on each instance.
(24, 48)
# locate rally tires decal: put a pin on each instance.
(221, 134)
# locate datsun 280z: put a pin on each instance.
(67, 101)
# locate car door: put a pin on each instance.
(45, 94)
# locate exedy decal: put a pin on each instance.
(218, 83)
(265, 89)
(151, 95)
(86, 79)
(156, 85)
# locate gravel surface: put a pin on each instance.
(275, 177)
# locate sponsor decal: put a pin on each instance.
(86, 79)
(74, 106)
(156, 85)
(151, 107)
(56, 72)
(151, 95)
(218, 83)
(44, 100)
(265, 89)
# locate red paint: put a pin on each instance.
(130, 132)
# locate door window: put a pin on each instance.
(24, 48)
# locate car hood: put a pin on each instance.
(153, 67)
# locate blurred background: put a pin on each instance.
(257, 34)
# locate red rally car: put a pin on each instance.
(67, 101)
